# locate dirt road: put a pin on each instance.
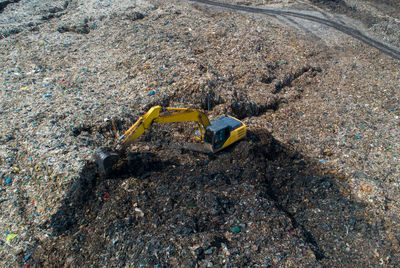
(384, 48)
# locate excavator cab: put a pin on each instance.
(223, 131)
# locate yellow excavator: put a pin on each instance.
(215, 135)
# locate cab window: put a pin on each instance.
(220, 137)
(208, 136)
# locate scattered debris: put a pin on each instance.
(315, 181)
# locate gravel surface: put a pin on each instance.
(315, 183)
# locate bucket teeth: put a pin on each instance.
(105, 161)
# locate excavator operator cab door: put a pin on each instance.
(218, 138)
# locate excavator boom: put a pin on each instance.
(158, 114)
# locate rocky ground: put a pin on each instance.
(315, 183)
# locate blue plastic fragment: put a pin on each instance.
(323, 160)
(27, 257)
(151, 93)
(8, 180)
(47, 95)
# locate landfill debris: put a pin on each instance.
(236, 229)
(11, 237)
(27, 257)
(139, 211)
(291, 186)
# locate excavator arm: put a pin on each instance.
(158, 114)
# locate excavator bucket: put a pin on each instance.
(105, 161)
(205, 148)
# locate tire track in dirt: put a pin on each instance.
(391, 52)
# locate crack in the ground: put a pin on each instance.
(244, 106)
(82, 28)
(273, 191)
(52, 12)
(56, 12)
(308, 236)
(9, 33)
(290, 77)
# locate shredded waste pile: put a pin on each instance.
(314, 183)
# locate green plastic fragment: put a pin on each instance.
(236, 229)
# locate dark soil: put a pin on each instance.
(254, 203)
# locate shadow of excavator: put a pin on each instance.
(145, 196)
